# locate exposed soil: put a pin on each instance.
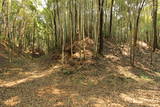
(107, 81)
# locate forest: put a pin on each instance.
(79, 53)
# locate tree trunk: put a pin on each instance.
(55, 28)
(111, 17)
(101, 2)
(155, 7)
(135, 33)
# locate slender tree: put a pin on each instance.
(111, 18)
(101, 3)
(155, 7)
(136, 27)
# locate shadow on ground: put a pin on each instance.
(109, 81)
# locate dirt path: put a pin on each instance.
(104, 82)
(90, 87)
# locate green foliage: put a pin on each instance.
(144, 77)
(67, 72)
(43, 23)
(19, 62)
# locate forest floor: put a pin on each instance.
(107, 81)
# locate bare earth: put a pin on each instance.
(108, 81)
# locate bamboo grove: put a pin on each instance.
(55, 24)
